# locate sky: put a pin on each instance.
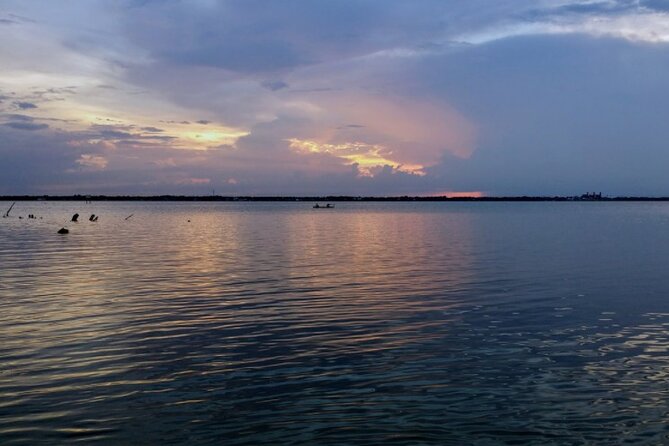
(345, 97)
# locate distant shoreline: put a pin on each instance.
(328, 198)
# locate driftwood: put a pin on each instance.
(9, 210)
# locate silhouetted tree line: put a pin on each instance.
(585, 197)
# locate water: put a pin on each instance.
(374, 323)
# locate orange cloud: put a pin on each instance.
(459, 194)
(366, 156)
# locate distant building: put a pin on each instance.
(591, 196)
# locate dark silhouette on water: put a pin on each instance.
(93, 217)
(327, 206)
(63, 231)
(9, 210)
(75, 218)
(128, 217)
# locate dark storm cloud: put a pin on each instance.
(25, 105)
(114, 134)
(26, 126)
(598, 124)
(111, 132)
(17, 117)
(42, 95)
(259, 36)
(129, 134)
(30, 160)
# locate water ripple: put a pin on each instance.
(442, 323)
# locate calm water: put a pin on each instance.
(273, 323)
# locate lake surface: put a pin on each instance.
(370, 324)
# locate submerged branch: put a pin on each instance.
(9, 210)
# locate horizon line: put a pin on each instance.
(172, 197)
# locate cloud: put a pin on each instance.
(92, 161)
(582, 8)
(33, 162)
(658, 5)
(25, 105)
(268, 37)
(644, 21)
(596, 125)
(26, 126)
(275, 85)
(18, 117)
(13, 19)
(194, 181)
(356, 97)
(110, 132)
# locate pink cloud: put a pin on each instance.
(95, 162)
(410, 131)
(194, 181)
